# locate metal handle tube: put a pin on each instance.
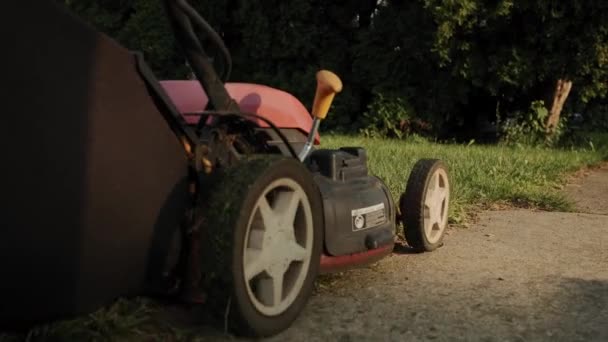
(310, 140)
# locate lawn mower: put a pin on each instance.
(214, 193)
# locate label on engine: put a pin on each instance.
(368, 217)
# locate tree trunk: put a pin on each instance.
(562, 89)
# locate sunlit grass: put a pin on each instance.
(481, 175)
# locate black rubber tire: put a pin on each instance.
(230, 198)
(411, 204)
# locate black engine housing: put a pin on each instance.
(359, 211)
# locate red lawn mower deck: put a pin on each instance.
(117, 184)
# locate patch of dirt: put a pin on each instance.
(590, 190)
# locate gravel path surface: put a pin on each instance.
(516, 275)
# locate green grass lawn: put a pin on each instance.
(481, 176)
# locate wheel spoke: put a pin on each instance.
(441, 194)
(431, 198)
(287, 204)
(255, 263)
(298, 253)
(292, 209)
(268, 215)
(441, 214)
(272, 246)
(436, 215)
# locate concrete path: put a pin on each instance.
(517, 275)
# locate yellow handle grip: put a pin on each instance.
(328, 84)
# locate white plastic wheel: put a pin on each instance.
(264, 239)
(435, 205)
(278, 246)
(425, 205)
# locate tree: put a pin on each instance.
(453, 63)
(520, 51)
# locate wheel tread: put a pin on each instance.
(225, 195)
(411, 204)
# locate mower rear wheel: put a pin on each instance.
(265, 239)
(424, 205)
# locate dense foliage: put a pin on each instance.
(452, 67)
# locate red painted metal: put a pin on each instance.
(338, 263)
(282, 108)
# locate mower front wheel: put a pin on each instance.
(264, 242)
(424, 205)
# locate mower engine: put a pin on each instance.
(357, 207)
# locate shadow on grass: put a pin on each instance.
(137, 319)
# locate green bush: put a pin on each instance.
(393, 117)
(529, 129)
(450, 61)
